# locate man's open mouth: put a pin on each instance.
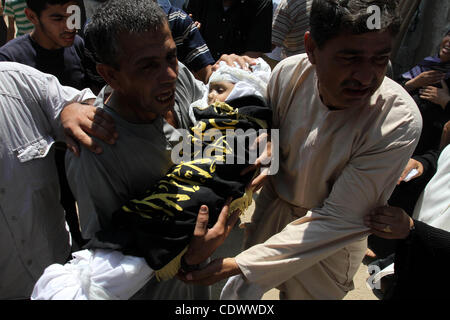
(165, 96)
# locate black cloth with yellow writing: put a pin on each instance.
(159, 225)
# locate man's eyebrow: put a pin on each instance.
(154, 58)
(145, 59)
(57, 15)
(386, 50)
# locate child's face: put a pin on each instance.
(219, 91)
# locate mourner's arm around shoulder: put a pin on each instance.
(81, 121)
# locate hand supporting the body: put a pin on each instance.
(262, 162)
(205, 241)
(80, 120)
(215, 271)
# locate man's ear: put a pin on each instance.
(109, 74)
(32, 16)
(310, 47)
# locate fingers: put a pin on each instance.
(377, 227)
(432, 77)
(265, 157)
(201, 225)
(386, 211)
(223, 216)
(231, 221)
(260, 140)
(96, 130)
(103, 119)
(428, 92)
(204, 275)
(263, 161)
(388, 222)
(381, 234)
(380, 222)
(101, 126)
(409, 166)
(81, 120)
(242, 61)
(196, 23)
(72, 146)
(259, 181)
(76, 133)
(250, 168)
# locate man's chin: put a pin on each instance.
(163, 109)
(351, 103)
(357, 98)
(66, 42)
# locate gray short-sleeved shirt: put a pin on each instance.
(141, 156)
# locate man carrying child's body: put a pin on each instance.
(226, 82)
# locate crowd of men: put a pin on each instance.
(119, 89)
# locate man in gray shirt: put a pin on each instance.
(148, 96)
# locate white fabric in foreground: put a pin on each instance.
(433, 206)
(93, 275)
(237, 288)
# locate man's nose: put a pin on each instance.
(67, 28)
(364, 74)
(169, 74)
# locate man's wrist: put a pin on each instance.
(445, 102)
(410, 85)
(186, 267)
(232, 266)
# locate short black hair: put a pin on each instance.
(39, 5)
(329, 18)
(121, 16)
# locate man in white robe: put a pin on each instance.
(346, 133)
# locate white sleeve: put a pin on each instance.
(366, 182)
(59, 96)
